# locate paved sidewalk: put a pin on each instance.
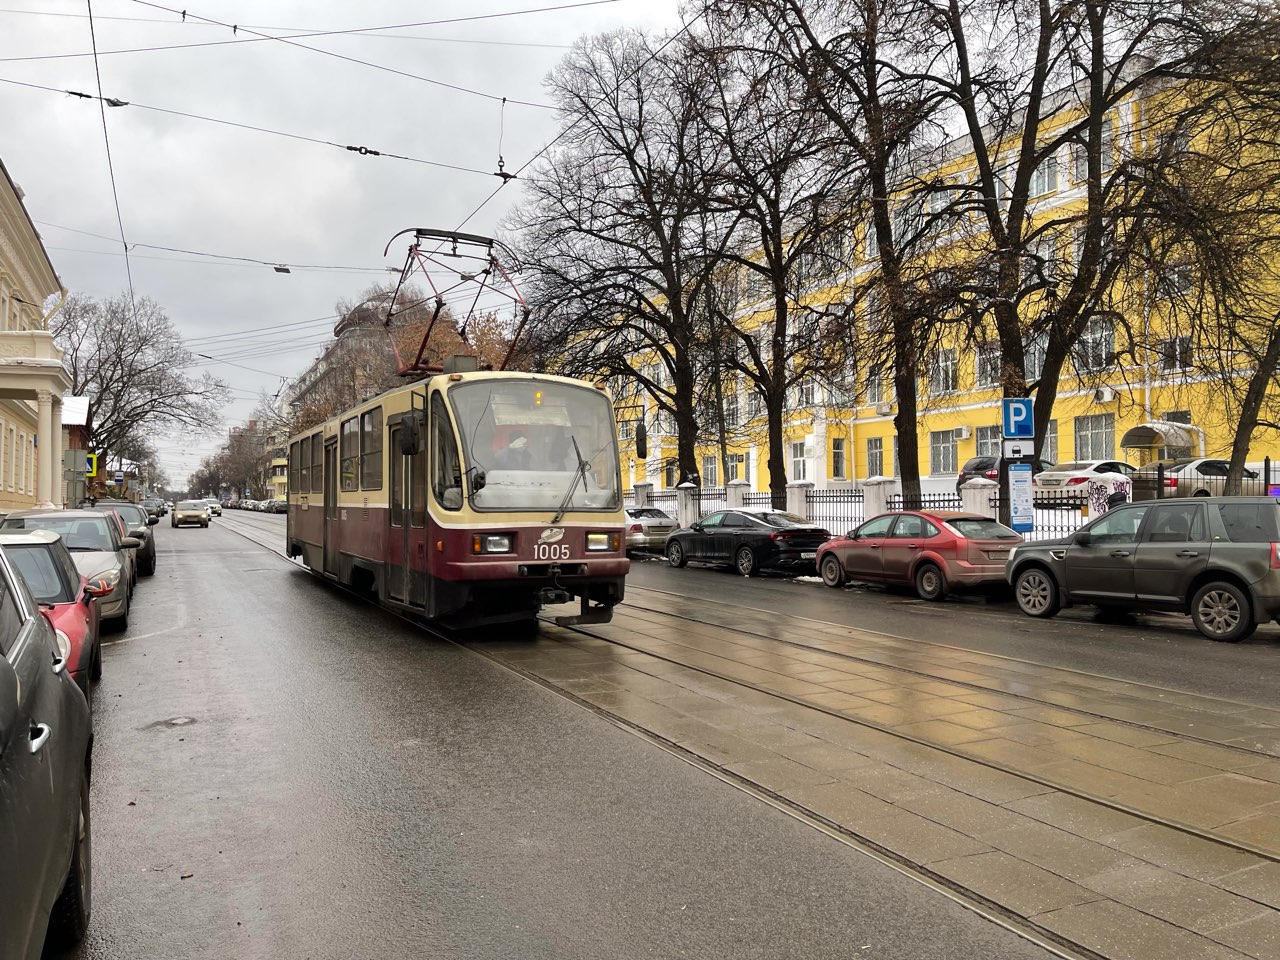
(898, 747)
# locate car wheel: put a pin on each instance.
(205, 524)
(1201, 493)
(1221, 611)
(675, 554)
(1037, 593)
(930, 583)
(832, 571)
(744, 561)
(69, 919)
(149, 570)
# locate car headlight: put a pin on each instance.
(603, 541)
(491, 543)
(64, 644)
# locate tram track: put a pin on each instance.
(886, 663)
(1071, 945)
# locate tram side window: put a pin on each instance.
(349, 451)
(317, 463)
(371, 449)
(446, 471)
(304, 465)
(293, 467)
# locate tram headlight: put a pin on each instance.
(603, 541)
(491, 543)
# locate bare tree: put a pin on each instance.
(131, 364)
(616, 222)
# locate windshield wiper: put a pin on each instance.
(579, 473)
(83, 549)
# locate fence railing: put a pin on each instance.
(711, 499)
(757, 499)
(837, 510)
(926, 501)
(1058, 513)
(667, 500)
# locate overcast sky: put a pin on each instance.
(212, 188)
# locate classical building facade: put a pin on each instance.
(32, 378)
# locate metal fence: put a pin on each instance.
(665, 500)
(1058, 513)
(1202, 480)
(711, 499)
(926, 501)
(755, 499)
(838, 510)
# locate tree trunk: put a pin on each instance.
(905, 422)
(1250, 408)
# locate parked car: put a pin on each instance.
(1188, 477)
(248, 504)
(190, 511)
(131, 552)
(137, 522)
(215, 507)
(1063, 476)
(45, 564)
(936, 551)
(45, 884)
(98, 550)
(151, 505)
(989, 468)
(648, 527)
(279, 506)
(1217, 560)
(749, 540)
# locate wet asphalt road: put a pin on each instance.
(283, 772)
(1159, 649)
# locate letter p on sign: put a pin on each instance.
(1019, 421)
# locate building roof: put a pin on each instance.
(75, 411)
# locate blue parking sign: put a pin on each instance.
(1019, 418)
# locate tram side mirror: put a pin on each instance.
(410, 433)
(478, 481)
(642, 441)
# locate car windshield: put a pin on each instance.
(780, 519)
(647, 513)
(540, 445)
(980, 528)
(40, 570)
(192, 505)
(78, 533)
(131, 514)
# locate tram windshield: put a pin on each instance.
(540, 445)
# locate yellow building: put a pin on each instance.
(279, 479)
(32, 378)
(1152, 403)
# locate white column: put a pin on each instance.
(44, 441)
(55, 454)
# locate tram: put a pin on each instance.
(466, 498)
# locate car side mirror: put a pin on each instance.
(152, 519)
(851, 535)
(129, 543)
(96, 588)
(1082, 538)
(697, 527)
(139, 533)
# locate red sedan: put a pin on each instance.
(936, 551)
(69, 599)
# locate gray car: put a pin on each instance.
(137, 521)
(648, 528)
(1216, 559)
(1188, 477)
(45, 847)
(96, 547)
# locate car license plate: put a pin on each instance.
(809, 556)
(998, 555)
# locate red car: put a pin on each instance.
(936, 551)
(68, 598)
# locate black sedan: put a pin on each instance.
(44, 782)
(137, 519)
(749, 540)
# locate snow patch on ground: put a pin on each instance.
(806, 579)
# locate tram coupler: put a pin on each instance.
(549, 596)
(589, 614)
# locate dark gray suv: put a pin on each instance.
(1214, 558)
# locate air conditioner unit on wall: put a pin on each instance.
(964, 433)
(1104, 394)
(883, 409)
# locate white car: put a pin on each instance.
(215, 507)
(1068, 481)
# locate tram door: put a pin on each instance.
(331, 507)
(398, 535)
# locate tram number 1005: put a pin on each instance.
(551, 551)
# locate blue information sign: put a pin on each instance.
(1022, 512)
(1019, 418)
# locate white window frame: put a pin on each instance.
(839, 459)
(875, 457)
(1175, 354)
(710, 471)
(943, 375)
(988, 441)
(1095, 436)
(944, 458)
(1096, 348)
(987, 365)
(799, 462)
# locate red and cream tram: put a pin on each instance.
(466, 498)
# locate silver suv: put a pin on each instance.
(1214, 558)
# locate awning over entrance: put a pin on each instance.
(1163, 433)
